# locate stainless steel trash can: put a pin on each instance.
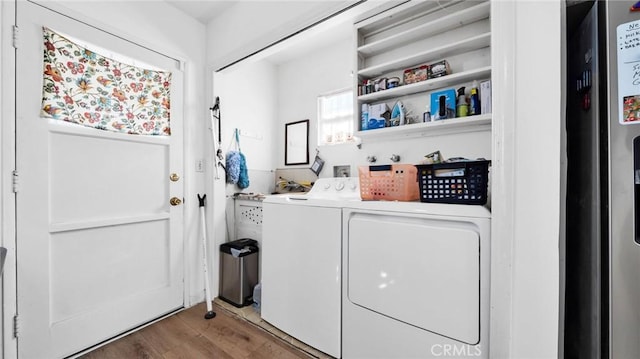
(238, 271)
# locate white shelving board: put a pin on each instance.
(432, 128)
(455, 48)
(428, 85)
(447, 22)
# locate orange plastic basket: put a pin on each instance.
(389, 182)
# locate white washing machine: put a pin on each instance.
(301, 262)
(415, 280)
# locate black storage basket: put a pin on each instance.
(454, 182)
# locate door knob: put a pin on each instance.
(175, 201)
(174, 177)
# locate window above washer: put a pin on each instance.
(335, 117)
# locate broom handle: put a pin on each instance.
(203, 229)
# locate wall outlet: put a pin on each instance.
(200, 165)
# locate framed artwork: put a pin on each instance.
(296, 143)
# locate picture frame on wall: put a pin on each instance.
(296, 143)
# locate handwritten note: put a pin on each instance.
(628, 49)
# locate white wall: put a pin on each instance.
(248, 102)
(302, 80)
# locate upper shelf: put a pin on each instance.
(422, 86)
(453, 20)
(451, 49)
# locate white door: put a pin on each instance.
(99, 247)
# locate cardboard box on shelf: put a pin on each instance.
(378, 115)
(485, 97)
(416, 74)
(438, 69)
(443, 104)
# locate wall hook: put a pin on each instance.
(358, 142)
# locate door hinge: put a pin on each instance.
(15, 326)
(16, 36)
(15, 181)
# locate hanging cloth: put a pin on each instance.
(237, 165)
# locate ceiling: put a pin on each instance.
(202, 10)
(206, 10)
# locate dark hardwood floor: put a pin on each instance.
(188, 335)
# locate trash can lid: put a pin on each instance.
(245, 243)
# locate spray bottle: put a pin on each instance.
(463, 107)
(474, 108)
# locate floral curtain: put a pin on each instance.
(83, 87)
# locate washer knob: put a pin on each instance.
(339, 186)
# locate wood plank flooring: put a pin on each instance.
(188, 335)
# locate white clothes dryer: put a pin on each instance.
(415, 280)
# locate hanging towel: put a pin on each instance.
(233, 166)
(237, 165)
(243, 178)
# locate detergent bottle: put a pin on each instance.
(462, 106)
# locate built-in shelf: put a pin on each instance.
(433, 128)
(419, 33)
(428, 85)
(451, 21)
(451, 49)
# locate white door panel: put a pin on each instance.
(112, 264)
(99, 247)
(105, 176)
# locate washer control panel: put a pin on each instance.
(336, 187)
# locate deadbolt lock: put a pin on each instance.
(174, 177)
(175, 201)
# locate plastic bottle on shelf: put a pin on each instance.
(426, 115)
(370, 87)
(474, 106)
(364, 117)
(463, 107)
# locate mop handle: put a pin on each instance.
(207, 290)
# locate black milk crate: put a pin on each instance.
(462, 182)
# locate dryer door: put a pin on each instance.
(421, 271)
